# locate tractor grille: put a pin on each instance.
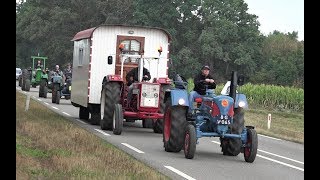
(149, 95)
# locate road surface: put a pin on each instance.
(276, 158)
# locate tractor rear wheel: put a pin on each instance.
(158, 124)
(117, 119)
(27, 85)
(110, 96)
(190, 141)
(232, 146)
(250, 150)
(173, 127)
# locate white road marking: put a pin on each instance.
(180, 173)
(274, 159)
(81, 121)
(66, 113)
(289, 165)
(133, 148)
(102, 132)
(39, 100)
(269, 137)
(281, 156)
(46, 103)
(55, 108)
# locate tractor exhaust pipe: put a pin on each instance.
(233, 84)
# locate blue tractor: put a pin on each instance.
(214, 116)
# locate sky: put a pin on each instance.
(282, 15)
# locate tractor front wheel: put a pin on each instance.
(250, 150)
(117, 119)
(190, 140)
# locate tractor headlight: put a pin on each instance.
(181, 101)
(155, 95)
(242, 104)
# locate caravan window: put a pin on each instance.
(80, 56)
(131, 47)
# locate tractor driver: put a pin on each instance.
(200, 80)
(132, 77)
(59, 72)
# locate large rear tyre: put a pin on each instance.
(110, 96)
(117, 119)
(158, 124)
(190, 141)
(173, 127)
(250, 150)
(232, 146)
(27, 85)
(83, 113)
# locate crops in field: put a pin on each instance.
(269, 97)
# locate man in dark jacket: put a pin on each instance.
(132, 77)
(200, 81)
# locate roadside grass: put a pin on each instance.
(283, 125)
(51, 147)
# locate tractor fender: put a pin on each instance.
(178, 95)
(241, 101)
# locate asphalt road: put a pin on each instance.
(276, 158)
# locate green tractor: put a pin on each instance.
(36, 76)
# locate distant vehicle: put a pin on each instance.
(18, 72)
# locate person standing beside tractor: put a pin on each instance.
(200, 81)
(132, 77)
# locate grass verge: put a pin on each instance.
(283, 125)
(51, 147)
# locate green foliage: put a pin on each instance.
(221, 34)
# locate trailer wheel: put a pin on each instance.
(109, 97)
(173, 127)
(83, 113)
(250, 150)
(117, 119)
(147, 123)
(158, 124)
(190, 140)
(232, 146)
(95, 118)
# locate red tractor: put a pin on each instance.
(146, 103)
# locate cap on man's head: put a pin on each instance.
(205, 67)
